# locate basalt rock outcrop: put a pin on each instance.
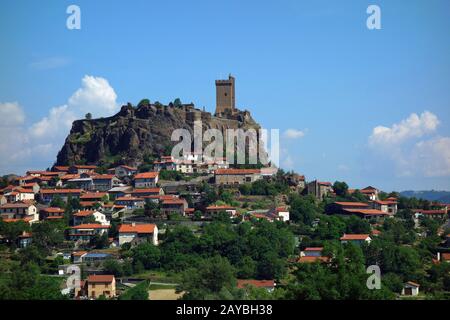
(135, 133)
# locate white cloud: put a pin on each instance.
(11, 114)
(294, 134)
(95, 96)
(433, 156)
(406, 148)
(58, 121)
(50, 63)
(36, 144)
(412, 127)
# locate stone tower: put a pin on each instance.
(225, 96)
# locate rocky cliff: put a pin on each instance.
(137, 132)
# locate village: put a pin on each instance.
(102, 213)
(198, 227)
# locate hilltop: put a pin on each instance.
(135, 133)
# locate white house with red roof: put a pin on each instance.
(213, 210)
(370, 192)
(410, 289)
(135, 233)
(357, 239)
(81, 216)
(19, 194)
(22, 210)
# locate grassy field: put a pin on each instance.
(164, 294)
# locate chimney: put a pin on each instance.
(439, 256)
(133, 224)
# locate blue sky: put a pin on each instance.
(312, 66)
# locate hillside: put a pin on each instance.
(431, 195)
(136, 132)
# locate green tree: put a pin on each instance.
(208, 279)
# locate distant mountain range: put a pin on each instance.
(431, 195)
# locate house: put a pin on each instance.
(146, 180)
(78, 169)
(94, 197)
(51, 213)
(147, 192)
(165, 163)
(282, 213)
(357, 239)
(117, 192)
(130, 202)
(81, 216)
(104, 182)
(432, 214)
(85, 232)
(387, 206)
(174, 206)
(410, 289)
(214, 210)
(236, 176)
(77, 256)
(62, 169)
(269, 285)
(96, 286)
(47, 195)
(313, 254)
(123, 171)
(360, 209)
(21, 210)
(19, 194)
(136, 233)
(25, 239)
(370, 192)
(319, 189)
(33, 186)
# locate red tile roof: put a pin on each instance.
(309, 259)
(146, 175)
(100, 278)
(53, 210)
(137, 228)
(90, 226)
(354, 237)
(351, 204)
(84, 213)
(313, 249)
(59, 191)
(241, 283)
